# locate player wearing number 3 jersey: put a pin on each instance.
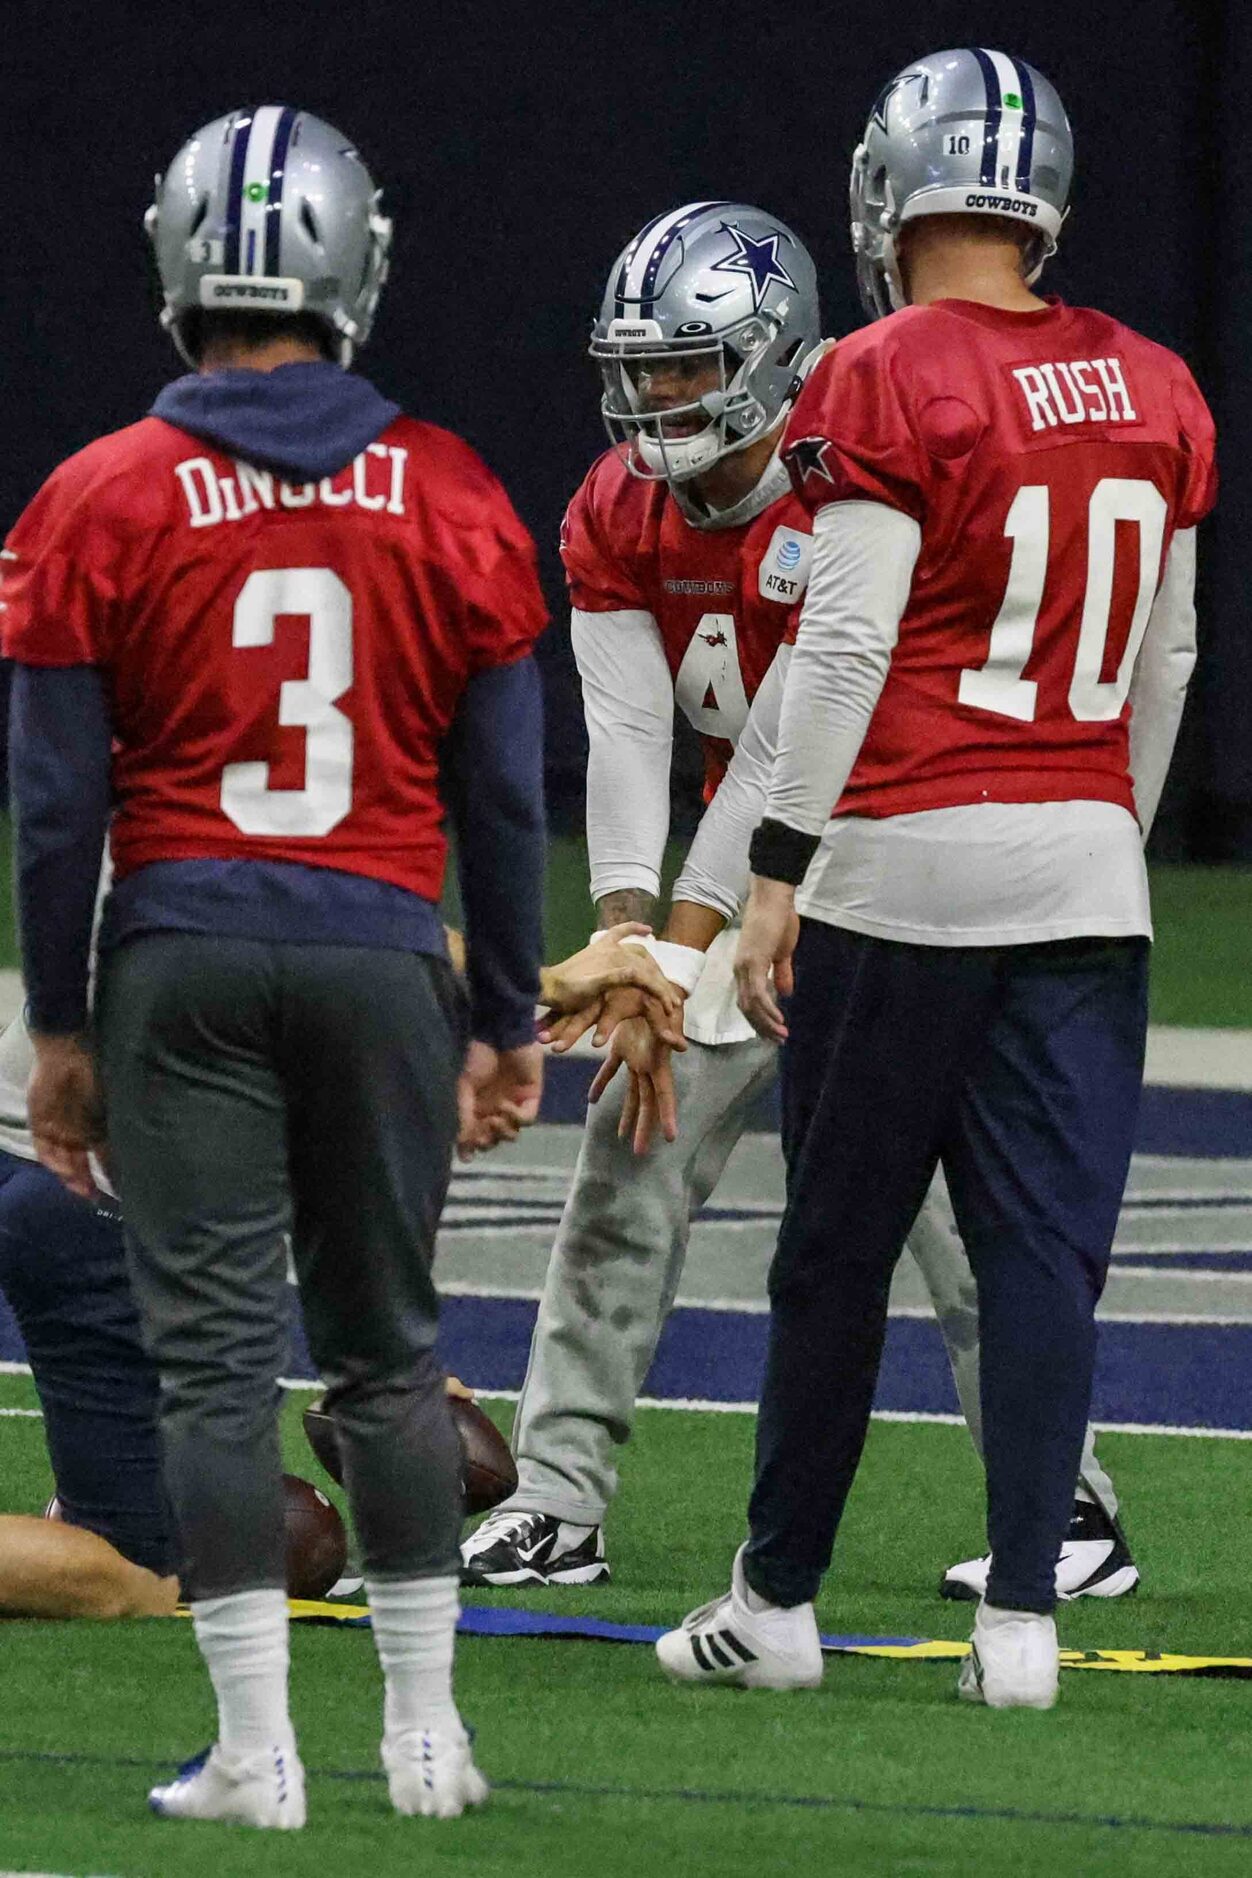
(971, 739)
(250, 629)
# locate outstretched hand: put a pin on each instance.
(650, 1101)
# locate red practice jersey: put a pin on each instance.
(1048, 459)
(724, 599)
(284, 660)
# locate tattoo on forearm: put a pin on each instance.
(627, 903)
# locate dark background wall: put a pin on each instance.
(521, 145)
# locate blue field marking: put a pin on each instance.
(1207, 1123)
(1191, 1375)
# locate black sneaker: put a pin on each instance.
(533, 1549)
(1095, 1562)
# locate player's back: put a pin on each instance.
(1048, 460)
(286, 652)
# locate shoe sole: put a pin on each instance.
(1122, 1583)
(527, 1575)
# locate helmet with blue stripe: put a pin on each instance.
(969, 132)
(269, 210)
(720, 298)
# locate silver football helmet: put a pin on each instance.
(270, 210)
(707, 317)
(959, 133)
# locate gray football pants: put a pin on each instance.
(255, 1090)
(615, 1269)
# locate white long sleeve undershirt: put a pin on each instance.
(864, 554)
(628, 702)
(1158, 689)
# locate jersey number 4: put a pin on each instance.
(307, 703)
(709, 682)
(998, 685)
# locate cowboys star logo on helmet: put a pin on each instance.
(758, 259)
(693, 369)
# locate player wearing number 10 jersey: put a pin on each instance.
(968, 745)
(248, 630)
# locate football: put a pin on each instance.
(488, 1474)
(317, 1545)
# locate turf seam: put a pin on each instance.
(799, 1802)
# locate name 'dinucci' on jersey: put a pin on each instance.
(784, 572)
(1075, 391)
(376, 481)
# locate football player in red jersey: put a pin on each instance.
(985, 688)
(686, 555)
(246, 629)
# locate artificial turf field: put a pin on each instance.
(600, 1767)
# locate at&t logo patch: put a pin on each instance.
(785, 566)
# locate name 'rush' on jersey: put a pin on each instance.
(1048, 459)
(724, 599)
(285, 659)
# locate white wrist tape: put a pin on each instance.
(682, 965)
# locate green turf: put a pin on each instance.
(600, 1767)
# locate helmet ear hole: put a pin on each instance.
(197, 220)
(308, 222)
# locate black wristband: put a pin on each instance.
(781, 853)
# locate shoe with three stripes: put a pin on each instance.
(740, 1640)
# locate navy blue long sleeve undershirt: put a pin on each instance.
(60, 745)
(493, 782)
(60, 757)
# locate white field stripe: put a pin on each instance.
(697, 1405)
(34, 1415)
(647, 247)
(257, 170)
(1009, 141)
(1181, 1275)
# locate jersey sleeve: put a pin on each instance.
(505, 611)
(58, 584)
(597, 581)
(1198, 440)
(852, 436)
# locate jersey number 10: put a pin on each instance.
(998, 684)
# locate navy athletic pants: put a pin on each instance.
(63, 1271)
(1019, 1069)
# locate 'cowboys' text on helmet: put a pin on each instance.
(969, 132)
(706, 318)
(270, 210)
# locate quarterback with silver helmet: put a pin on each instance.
(956, 767)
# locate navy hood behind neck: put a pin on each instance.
(305, 421)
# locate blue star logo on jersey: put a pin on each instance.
(757, 259)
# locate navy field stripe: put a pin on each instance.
(234, 194)
(991, 132)
(663, 246)
(1026, 148)
(274, 200)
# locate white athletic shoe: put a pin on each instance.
(727, 1642)
(1013, 1660)
(1095, 1562)
(265, 1789)
(521, 1549)
(431, 1771)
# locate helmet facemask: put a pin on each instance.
(675, 440)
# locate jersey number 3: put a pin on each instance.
(998, 685)
(306, 703)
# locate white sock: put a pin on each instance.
(415, 1632)
(243, 1640)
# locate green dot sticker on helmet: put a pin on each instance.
(1011, 99)
(257, 192)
